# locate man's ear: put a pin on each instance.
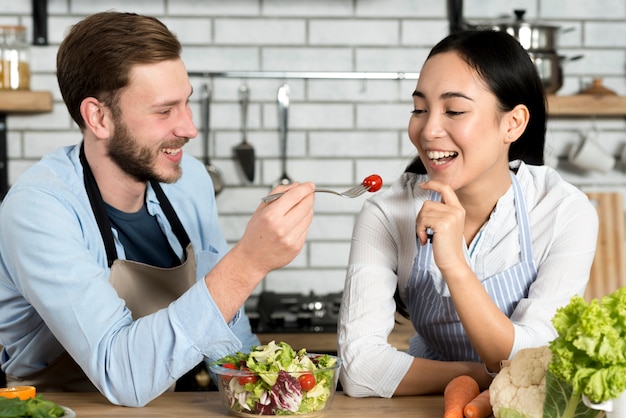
(517, 120)
(96, 117)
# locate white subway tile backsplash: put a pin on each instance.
(307, 8)
(353, 32)
(151, 7)
(483, 10)
(605, 34)
(353, 144)
(260, 31)
(330, 116)
(597, 62)
(307, 59)
(340, 130)
(38, 143)
(400, 8)
(191, 31)
(580, 9)
(425, 33)
(191, 8)
(234, 58)
(390, 59)
(384, 115)
(356, 91)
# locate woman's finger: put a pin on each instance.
(448, 196)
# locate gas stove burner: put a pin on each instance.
(293, 312)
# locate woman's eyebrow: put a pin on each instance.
(447, 95)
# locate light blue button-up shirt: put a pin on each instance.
(55, 293)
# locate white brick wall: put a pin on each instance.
(340, 130)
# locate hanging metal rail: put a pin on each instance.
(339, 75)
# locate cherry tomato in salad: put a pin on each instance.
(246, 379)
(230, 366)
(373, 183)
(242, 380)
(307, 381)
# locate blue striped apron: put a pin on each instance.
(440, 334)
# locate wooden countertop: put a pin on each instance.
(207, 404)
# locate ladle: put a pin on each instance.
(216, 175)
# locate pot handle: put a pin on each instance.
(565, 30)
(574, 58)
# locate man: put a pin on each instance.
(114, 274)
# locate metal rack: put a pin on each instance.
(337, 75)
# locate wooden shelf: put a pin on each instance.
(587, 105)
(25, 101)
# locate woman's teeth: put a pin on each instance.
(437, 157)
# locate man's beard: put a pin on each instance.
(136, 160)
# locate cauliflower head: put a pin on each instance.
(521, 385)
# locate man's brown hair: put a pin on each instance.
(98, 53)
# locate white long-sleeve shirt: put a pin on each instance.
(564, 227)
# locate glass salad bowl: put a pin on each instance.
(276, 380)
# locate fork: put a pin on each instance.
(352, 192)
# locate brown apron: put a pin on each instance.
(144, 288)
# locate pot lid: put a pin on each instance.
(519, 21)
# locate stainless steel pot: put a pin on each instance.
(538, 39)
(532, 36)
(550, 68)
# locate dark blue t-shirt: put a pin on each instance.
(142, 237)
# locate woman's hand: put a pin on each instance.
(446, 220)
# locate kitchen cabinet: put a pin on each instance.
(17, 101)
(587, 105)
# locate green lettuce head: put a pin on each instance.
(589, 352)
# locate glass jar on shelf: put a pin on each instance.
(14, 60)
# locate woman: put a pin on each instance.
(482, 242)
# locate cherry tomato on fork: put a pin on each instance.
(373, 183)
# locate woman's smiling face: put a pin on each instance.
(457, 127)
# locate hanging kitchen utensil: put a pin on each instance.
(283, 117)
(216, 175)
(244, 151)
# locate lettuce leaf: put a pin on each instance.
(589, 352)
(563, 402)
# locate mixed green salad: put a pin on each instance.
(282, 382)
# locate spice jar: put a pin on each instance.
(14, 65)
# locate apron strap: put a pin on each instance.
(97, 206)
(102, 218)
(170, 214)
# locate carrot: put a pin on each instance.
(479, 407)
(458, 393)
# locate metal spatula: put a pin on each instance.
(283, 126)
(244, 151)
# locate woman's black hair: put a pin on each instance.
(506, 68)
